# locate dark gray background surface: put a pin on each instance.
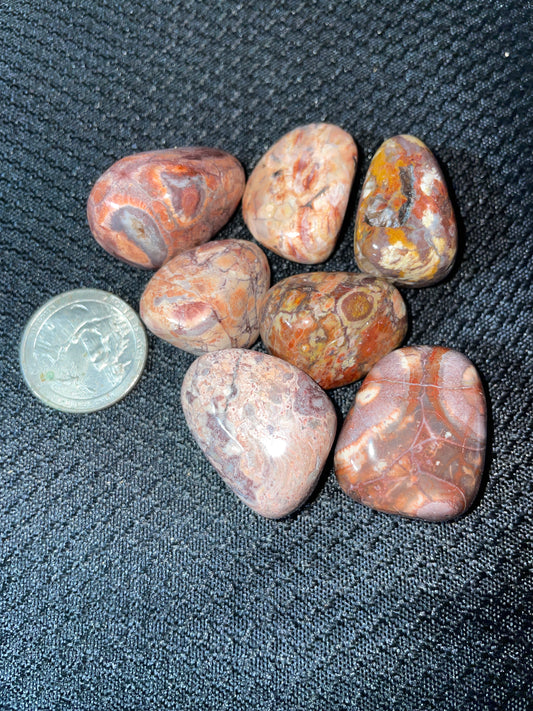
(130, 577)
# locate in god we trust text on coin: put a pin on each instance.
(83, 350)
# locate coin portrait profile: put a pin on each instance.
(83, 350)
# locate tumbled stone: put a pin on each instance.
(405, 226)
(333, 325)
(265, 426)
(296, 196)
(414, 441)
(208, 298)
(148, 207)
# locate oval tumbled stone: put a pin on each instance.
(414, 441)
(405, 227)
(265, 426)
(148, 207)
(333, 325)
(296, 197)
(208, 298)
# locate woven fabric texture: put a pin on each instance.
(130, 576)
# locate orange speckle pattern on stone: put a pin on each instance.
(405, 226)
(333, 325)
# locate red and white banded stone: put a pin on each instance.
(414, 441)
(148, 207)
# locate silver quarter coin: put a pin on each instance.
(83, 350)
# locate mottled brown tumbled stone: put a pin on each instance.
(333, 325)
(208, 298)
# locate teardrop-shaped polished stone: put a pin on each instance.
(296, 196)
(208, 298)
(265, 426)
(414, 441)
(333, 325)
(148, 207)
(405, 227)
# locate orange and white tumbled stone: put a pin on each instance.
(405, 227)
(208, 298)
(333, 325)
(296, 197)
(414, 441)
(148, 207)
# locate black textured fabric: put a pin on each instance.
(131, 578)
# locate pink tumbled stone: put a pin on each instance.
(296, 197)
(265, 426)
(208, 298)
(414, 441)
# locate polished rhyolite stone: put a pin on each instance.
(296, 196)
(208, 298)
(414, 441)
(333, 325)
(405, 226)
(148, 207)
(265, 426)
